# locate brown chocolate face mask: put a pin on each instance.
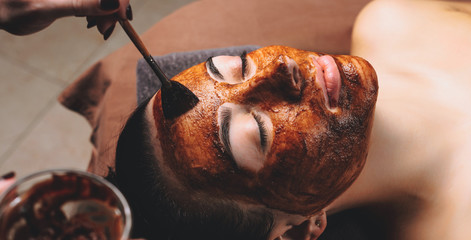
(281, 127)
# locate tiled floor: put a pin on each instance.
(36, 132)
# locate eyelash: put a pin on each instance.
(226, 116)
(213, 68)
(263, 130)
(243, 57)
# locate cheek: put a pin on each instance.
(311, 162)
(294, 128)
(295, 149)
(195, 145)
(198, 159)
(189, 141)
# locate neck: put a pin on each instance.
(406, 159)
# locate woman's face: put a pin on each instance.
(281, 127)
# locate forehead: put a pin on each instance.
(268, 54)
(198, 80)
(261, 58)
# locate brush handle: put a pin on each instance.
(132, 34)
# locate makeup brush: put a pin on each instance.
(176, 98)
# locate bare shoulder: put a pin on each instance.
(407, 17)
(419, 43)
(420, 50)
(420, 31)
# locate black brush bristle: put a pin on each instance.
(177, 99)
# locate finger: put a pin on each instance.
(62, 8)
(93, 7)
(6, 180)
(4, 184)
(105, 22)
(101, 7)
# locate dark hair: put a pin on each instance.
(157, 214)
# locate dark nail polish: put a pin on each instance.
(91, 23)
(109, 4)
(129, 12)
(108, 32)
(8, 176)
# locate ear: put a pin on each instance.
(310, 229)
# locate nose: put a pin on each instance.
(294, 74)
(281, 77)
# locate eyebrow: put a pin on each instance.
(213, 68)
(226, 115)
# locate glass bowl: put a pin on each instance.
(64, 204)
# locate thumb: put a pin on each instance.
(4, 184)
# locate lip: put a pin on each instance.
(328, 79)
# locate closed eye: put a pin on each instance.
(230, 69)
(243, 57)
(246, 134)
(263, 131)
(225, 119)
(213, 68)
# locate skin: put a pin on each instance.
(315, 152)
(5, 183)
(22, 17)
(418, 164)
